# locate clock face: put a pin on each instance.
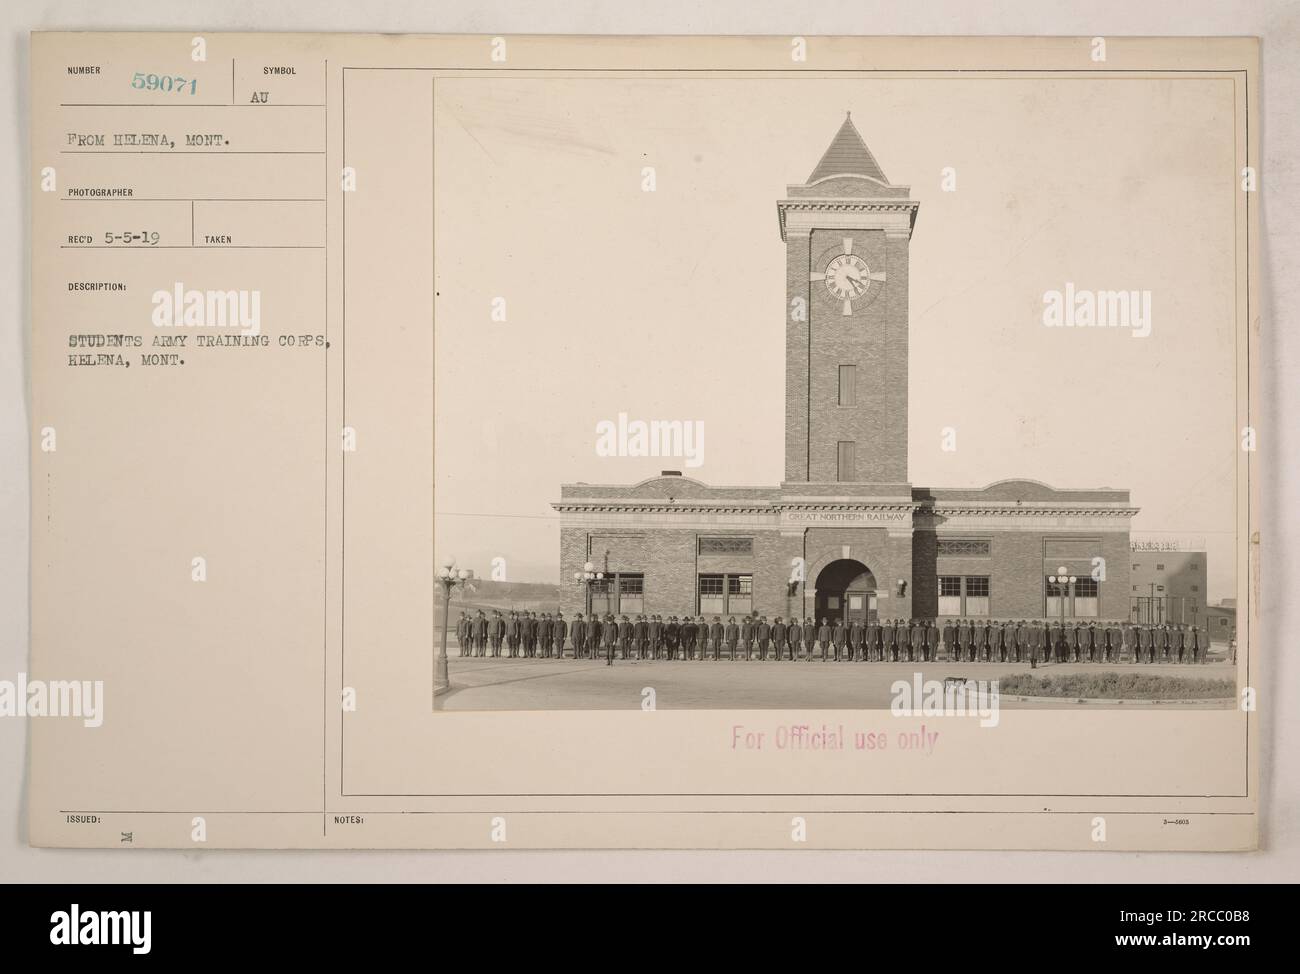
(848, 277)
(849, 280)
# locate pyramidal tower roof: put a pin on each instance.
(848, 155)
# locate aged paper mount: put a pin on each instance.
(545, 442)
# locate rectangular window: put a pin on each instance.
(712, 597)
(848, 385)
(740, 594)
(631, 594)
(1057, 593)
(847, 461)
(726, 546)
(1196, 588)
(961, 546)
(977, 595)
(1086, 592)
(1160, 568)
(949, 595)
(1080, 600)
(600, 597)
(723, 595)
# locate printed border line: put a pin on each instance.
(810, 74)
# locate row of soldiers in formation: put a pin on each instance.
(532, 635)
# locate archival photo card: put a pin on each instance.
(644, 442)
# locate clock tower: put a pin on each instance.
(846, 232)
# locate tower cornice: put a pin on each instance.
(803, 215)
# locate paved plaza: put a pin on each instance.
(550, 684)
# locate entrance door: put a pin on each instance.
(846, 590)
(860, 606)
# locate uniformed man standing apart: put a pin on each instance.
(608, 637)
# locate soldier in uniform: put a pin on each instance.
(747, 628)
(479, 634)
(853, 639)
(888, 640)
(931, 637)
(527, 632)
(578, 632)
(512, 634)
(686, 636)
(716, 632)
(949, 639)
(465, 634)
(778, 637)
(839, 633)
(871, 639)
(496, 629)
(672, 633)
(559, 629)
(762, 633)
(608, 638)
(638, 637)
(823, 638)
(794, 636)
(544, 636)
(624, 631)
(809, 636)
(731, 635)
(654, 632)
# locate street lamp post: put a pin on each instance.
(449, 577)
(587, 578)
(1063, 582)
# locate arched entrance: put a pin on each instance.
(846, 590)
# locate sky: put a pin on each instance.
(670, 304)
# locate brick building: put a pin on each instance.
(846, 533)
(1168, 585)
